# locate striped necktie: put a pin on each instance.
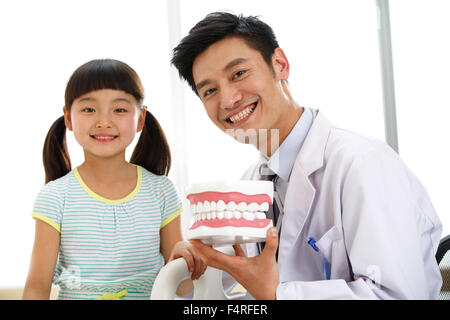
(274, 211)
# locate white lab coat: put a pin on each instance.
(371, 217)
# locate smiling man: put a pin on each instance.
(243, 91)
(356, 222)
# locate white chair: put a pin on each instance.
(208, 287)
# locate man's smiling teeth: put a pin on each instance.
(243, 114)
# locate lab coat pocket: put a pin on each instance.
(332, 247)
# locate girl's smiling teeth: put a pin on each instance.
(243, 114)
(103, 137)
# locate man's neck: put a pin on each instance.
(276, 136)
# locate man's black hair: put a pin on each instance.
(215, 27)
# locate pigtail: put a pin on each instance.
(152, 150)
(55, 154)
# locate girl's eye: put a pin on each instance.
(208, 92)
(238, 74)
(120, 110)
(88, 109)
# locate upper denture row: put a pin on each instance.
(208, 206)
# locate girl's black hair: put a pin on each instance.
(152, 150)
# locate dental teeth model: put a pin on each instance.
(225, 213)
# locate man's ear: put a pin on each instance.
(67, 119)
(280, 64)
(141, 121)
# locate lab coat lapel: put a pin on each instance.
(300, 192)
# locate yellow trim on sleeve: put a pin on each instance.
(41, 217)
(171, 217)
(113, 296)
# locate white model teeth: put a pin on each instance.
(220, 206)
(243, 114)
(231, 206)
(260, 215)
(264, 206)
(249, 215)
(103, 138)
(252, 207)
(206, 206)
(242, 206)
(219, 210)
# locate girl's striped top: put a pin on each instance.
(107, 246)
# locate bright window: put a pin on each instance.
(421, 51)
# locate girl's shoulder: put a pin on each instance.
(51, 199)
(149, 177)
(159, 183)
(59, 186)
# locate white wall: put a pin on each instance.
(42, 43)
(333, 51)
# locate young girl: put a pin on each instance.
(105, 228)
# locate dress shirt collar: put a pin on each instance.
(282, 161)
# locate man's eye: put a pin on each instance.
(238, 74)
(208, 92)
